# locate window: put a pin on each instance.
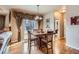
(30, 24)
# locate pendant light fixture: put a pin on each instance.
(38, 17)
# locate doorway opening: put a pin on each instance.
(59, 24)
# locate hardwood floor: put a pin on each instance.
(59, 47)
(22, 48)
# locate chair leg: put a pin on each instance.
(29, 46)
(40, 44)
(47, 48)
(34, 43)
(51, 46)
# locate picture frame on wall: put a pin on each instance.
(48, 23)
(75, 20)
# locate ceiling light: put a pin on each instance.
(63, 9)
(38, 17)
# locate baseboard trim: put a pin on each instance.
(71, 47)
(61, 38)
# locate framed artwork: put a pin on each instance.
(75, 20)
(48, 23)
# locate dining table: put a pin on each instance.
(42, 37)
(39, 35)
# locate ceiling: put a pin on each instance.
(43, 9)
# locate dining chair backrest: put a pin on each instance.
(50, 32)
(50, 35)
(48, 39)
(56, 31)
(29, 35)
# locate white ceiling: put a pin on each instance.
(43, 9)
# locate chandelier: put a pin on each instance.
(38, 17)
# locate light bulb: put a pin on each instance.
(37, 17)
(40, 18)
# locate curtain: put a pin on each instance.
(19, 22)
(2, 22)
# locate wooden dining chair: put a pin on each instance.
(31, 38)
(55, 33)
(47, 41)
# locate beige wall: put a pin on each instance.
(61, 25)
(51, 18)
(40, 24)
(14, 29)
(13, 26)
(60, 21)
(7, 21)
(72, 31)
(6, 14)
(22, 31)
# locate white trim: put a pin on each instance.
(73, 47)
